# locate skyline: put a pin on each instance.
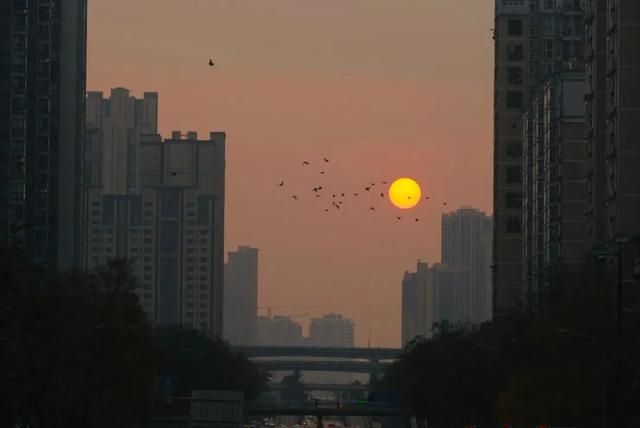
(282, 104)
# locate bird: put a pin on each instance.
(382, 195)
(355, 194)
(317, 196)
(340, 202)
(342, 194)
(367, 188)
(294, 197)
(325, 159)
(399, 218)
(373, 184)
(337, 206)
(305, 163)
(426, 197)
(211, 63)
(315, 189)
(444, 203)
(417, 220)
(281, 183)
(321, 172)
(326, 210)
(383, 182)
(372, 208)
(408, 197)
(320, 188)
(334, 195)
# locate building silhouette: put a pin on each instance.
(279, 331)
(533, 39)
(613, 119)
(159, 204)
(42, 84)
(555, 238)
(466, 244)
(428, 297)
(241, 296)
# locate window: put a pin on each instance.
(514, 75)
(514, 99)
(548, 49)
(514, 27)
(513, 225)
(515, 53)
(549, 4)
(514, 200)
(549, 27)
(514, 174)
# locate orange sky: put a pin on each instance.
(383, 88)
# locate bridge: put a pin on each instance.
(349, 387)
(372, 354)
(323, 409)
(322, 366)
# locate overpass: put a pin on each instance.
(322, 409)
(355, 387)
(324, 366)
(372, 354)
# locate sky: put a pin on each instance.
(383, 88)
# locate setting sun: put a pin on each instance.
(405, 193)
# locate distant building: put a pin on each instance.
(42, 86)
(466, 245)
(332, 330)
(279, 331)
(241, 296)
(555, 239)
(428, 297)
(160, 204)
(533, 40)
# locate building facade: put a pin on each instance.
(279, 331)
(533, 38)
(555, 240)
(42, 86)
(332, 330)
(428, 298)
(166, 216)
(241, 296)
(466, 244)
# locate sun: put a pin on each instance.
(405, 193)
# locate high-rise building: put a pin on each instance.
(279, 331)
(160, 204)
(554, 189)
(241, 296)
(428, 298)
(613, 119)
(42, 84)
(332, 330)
(466, 244)
(533, 39)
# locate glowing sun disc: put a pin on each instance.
(405, 193)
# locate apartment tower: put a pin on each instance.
(42, 84)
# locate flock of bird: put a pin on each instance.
(338, 199)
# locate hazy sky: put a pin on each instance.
(384, 88)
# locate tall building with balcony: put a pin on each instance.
(613, 119)
(42, 84)
(555, 239)
(159, 204)
(466, 244)
(241, 297)
(533, 38)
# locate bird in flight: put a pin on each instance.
(342, 194)
(408, 197)
(325, 159)
(305, 163)
(399, 218)
(383, 182)
(355, 194)
(334, 195)
(321, 172)
(281, 183)
(315, 189)
(326, 210)
(417, 220)
(444, 203)
(211, 63)
(372, 208)
(294, 197)
(317, 196)
(382, 195)
(426, 197)
(367, 188)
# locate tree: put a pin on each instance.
(79, 348)
(293, 387)
(191, 360)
